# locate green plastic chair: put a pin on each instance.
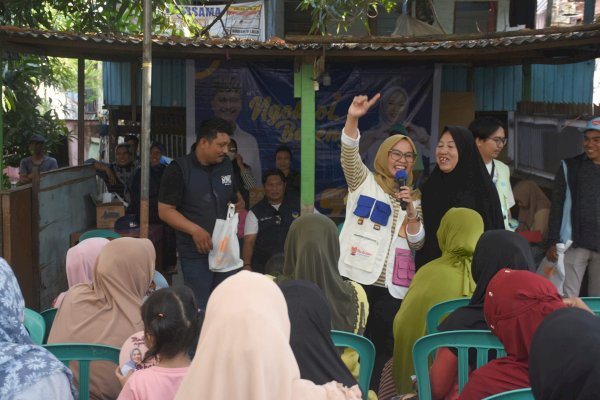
(462, 341)
(593, 303)
(49, 316)
(518, 394)
(35, 325)
(103, 233)
(440, 310)
(366, 353)
(84, 354)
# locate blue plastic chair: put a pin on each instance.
(103, 233)
(48, 316)
(84, 354)
(35, 325)
(462, 341)
(440, 310)
(593, 303)
(366, 353)
(518, 394)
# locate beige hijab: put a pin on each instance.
(107, 311)
(244, 350)
(382, 175)
(532, 199)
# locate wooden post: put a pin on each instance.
(80, 111)
(588, 11)
(307, 131)
(146, 109)
(35, 238)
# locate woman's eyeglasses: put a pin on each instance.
(398, 155)
(499, 141)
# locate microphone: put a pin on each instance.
(401, 177)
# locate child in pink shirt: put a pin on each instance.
(171, 329)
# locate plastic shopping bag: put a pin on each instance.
(225, 254)
(555, 271)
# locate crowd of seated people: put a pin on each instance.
(265, 334)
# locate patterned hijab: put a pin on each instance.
(312, 251)
(382, 175)
(22, 364)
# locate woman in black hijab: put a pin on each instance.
(460, 179)
(495, 250)
(310, 337)
(563, 362)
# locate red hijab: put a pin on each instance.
(515, 304)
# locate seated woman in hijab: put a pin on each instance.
(445, 278)
(515, 304)
(312, 251)
(107, 311)
(27, 371)
(80, 263)
(534, 207)
(245, 348)
(495, 250)
(310, 339)
(563, 363)
(460, 179)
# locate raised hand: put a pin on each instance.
(361, 104)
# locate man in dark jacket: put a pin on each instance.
(195, 191)
(582, 184)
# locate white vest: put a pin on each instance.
(363, 249)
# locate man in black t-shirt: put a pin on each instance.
(195, 191)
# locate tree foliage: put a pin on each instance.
(23, 74)
(341, 14)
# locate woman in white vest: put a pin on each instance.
(490, 138)
(378, 235)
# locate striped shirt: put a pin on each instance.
(356, 172)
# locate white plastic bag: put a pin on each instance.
(555, 271)
(225, 254)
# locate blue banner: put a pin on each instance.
(259, 99)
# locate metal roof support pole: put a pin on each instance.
(588, 11)
(146, 109)
(304, 76)
(80, 110)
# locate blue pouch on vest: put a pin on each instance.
(381, 213)
(364, 206)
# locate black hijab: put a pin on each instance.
(563, 362)
(468, 185)
(310, 337)
(495, 250)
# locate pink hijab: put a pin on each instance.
(80, 263)
(244, 349)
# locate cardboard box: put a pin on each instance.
(108, 213)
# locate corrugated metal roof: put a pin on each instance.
(582, 42)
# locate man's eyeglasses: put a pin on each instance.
(397, 155)
(499, 141)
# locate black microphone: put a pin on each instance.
(401, 177)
